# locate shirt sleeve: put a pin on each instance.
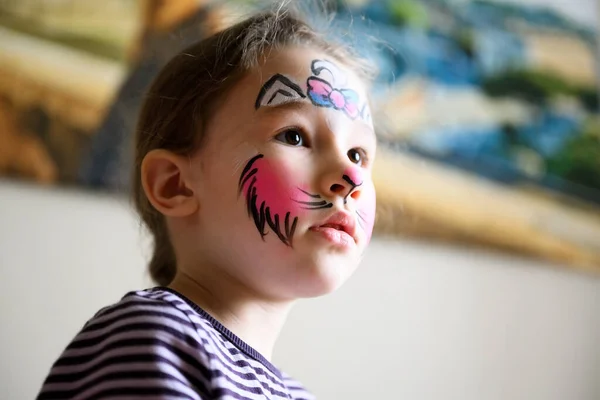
(137, 348)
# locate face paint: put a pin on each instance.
(271, 201)
(365, 210)
(278, 90)
(276, 205)
(352, 176)
(323, 89)
(337, 76)
(316, 202)
(322, 92)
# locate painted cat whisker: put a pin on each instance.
(262, 215)
(312, 203)
(328, 205)
(315, 196)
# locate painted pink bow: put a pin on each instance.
(322, 94)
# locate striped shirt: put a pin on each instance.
(157, 344)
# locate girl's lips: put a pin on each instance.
(341, 221)
(335, 236)
(339, 229)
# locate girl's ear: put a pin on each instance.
(163, 176)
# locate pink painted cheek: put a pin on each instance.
(275, 186)
(366, 209)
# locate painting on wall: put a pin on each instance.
(488, 110)
(489, 122)
(72, 76)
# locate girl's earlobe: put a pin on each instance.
(163, 179)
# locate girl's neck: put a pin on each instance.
(256, 321)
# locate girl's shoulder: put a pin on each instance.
(148, 342)
(154, 304)
(155, 310)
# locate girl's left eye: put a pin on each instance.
(292, 137)
(357, 156)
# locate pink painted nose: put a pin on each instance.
(348, 184)
(355, 175)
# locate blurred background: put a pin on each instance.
(483, 281)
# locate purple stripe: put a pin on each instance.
(140, 326)
(201, 372)
(222, 392)
(125, 392)
(124, 375)
(141, 302)
(140, 313)
(118, 368)
(134, 304)
(251, 389)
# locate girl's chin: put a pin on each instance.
(323, 275)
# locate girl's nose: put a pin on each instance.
(344, 183)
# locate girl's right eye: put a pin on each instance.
(292, 137)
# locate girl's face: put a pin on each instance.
(283, 179)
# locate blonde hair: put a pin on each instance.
(188, 88)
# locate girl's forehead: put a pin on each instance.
(299, 63)
(300, 75)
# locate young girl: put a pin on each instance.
(253, 173)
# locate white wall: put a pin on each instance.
(415, 322)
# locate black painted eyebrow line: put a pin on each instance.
(293, 88)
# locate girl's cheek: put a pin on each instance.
(276, 185)
(366, 209)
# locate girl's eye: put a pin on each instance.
(292, 137)
(357, 156)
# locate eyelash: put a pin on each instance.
(293, 129)
(364, 157)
